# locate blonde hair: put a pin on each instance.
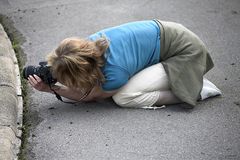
(76, 62)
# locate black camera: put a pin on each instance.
(43, 71)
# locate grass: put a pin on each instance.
(17, 39)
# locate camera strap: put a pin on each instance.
(59, 97)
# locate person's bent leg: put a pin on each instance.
(167, 97)
(147, 88)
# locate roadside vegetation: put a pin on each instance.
(17, 39)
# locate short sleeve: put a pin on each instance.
(115, 78)
(93, 37)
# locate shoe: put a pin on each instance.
(209, 90)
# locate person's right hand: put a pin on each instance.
(38, 84)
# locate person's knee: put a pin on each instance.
(124, 99)
(136, 100)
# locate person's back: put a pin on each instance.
(132, 47)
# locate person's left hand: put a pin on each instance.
(38, 84)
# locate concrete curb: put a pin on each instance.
(11, 103)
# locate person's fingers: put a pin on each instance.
(38, 79)
(33, 80)
(30, 81)
(37, 83)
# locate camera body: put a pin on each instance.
(43, 71)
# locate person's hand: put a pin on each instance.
(38, 84)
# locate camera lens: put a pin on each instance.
(29, 70)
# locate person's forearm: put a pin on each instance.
(66, 92)
(95, 94)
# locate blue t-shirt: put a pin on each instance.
(132, 47)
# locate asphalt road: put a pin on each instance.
(92, 131)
